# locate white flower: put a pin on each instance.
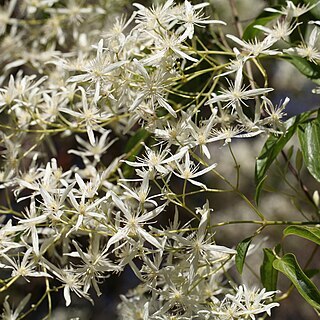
(90, 188)
(10, 314)
(71, 281)
(95, 150)
(133, 223)
(246, 303)
(49, 109)
(6, 178)
(275, 113)
(54, 202)
(29, 223)
(90, 115)
(152, 18)
(152, 89)
(7, 237)
(292, 10)
(255, 47)
(141, 193)
(199, 246)
(27, 267)
(85, 210)
(5, 14)
(234, 65)
(281, 30)
(174, 131)
(134, 308)
(237, 93)
(230, 132)
(167, 46)
(202, 134)
(96, 70)
(156, 160)
(74, 11)
(308, 49)
(253, 302)
(8, 94)
(188, 171)
(49, 179)
(95, 264)
(192, 15)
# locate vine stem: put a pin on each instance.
(296, 175)
(7, 285)
(242, 196)
(265, 223)
(237, 166)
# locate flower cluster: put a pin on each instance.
(75, 86)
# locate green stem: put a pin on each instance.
(237, 166)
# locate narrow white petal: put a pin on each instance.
(119, 203)
(66, 294)
(80, 182)
(197, 183)
(91, 135)
(205, 170)
(206, 151)
(149, 238)
(116, 237)
(184, 55)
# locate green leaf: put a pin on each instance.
(251, 32)
(242, 249)
(269, 275)
(306, 67)
(271, 149)
(289, 266)
(309, 136)
(316, 10)
(311, 272)
(135, 140)
(309, 233)
(299, 160)
(290, 152)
